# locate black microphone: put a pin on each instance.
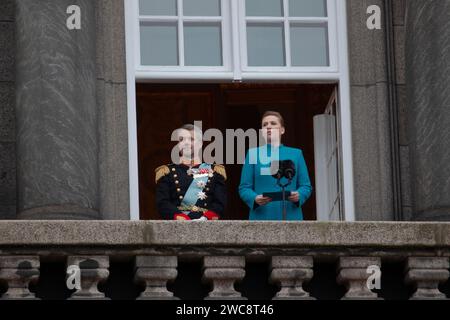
(276, 169)
(286, 168)
(289, 169)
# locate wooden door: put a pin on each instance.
(163, 108)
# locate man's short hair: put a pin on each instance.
(188, 127)
(276, 114)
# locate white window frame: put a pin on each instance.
(337, 72)
(172, 72)
(330, 20)
(234, 47)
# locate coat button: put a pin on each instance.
(180, 197)
(177, 182)
(173, 169)
(175, 175)
(178, 190)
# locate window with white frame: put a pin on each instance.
(182, 34)
(241, 40)
(233, 39)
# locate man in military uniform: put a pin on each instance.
(189, 189)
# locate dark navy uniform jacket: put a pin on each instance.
(172, 183)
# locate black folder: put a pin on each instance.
(277, 196)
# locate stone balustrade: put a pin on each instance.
(293, 252)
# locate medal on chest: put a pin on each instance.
(197, 173)
(200, 176)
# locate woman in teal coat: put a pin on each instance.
(256, 179)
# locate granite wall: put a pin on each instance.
(7, 114)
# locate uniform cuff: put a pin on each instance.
(185, 216)
(211, 215)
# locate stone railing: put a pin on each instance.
(292, 250)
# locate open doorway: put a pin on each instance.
(161, 108)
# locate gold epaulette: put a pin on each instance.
(161, 172)
(220, 169)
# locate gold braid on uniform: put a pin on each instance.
(220, 169)
(161, 172)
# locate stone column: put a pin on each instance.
(425, 274)
(56, 112)
(290, 273)
(155, 272)
(354, 274)
(18, 272)
(428, 91)
(7, 114)
(222, 273)
(93, 270)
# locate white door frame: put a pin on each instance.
(342, 78)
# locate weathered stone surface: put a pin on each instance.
(113, 112)
(56, 112)
(291, 262)
(156, 262)
(111, 61)
(365, 45)
(7, 117)
(7, 173)
(405, 177)
(425, 274)
(6, 51)
(290, 273)
(8, 212)
(227, 233)
(353, 274)
(399, 12)
(7, 10)
(427, 68)
(370, 115)
(94, 270)
(224, 262)
(113, 151)
(399, 52)
(155, 272)
(370, 124)
(7, 112)
(427, 263)
(18, 272)
(222, 272)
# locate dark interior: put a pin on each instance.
(161, 108)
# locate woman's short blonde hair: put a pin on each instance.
(275, 114)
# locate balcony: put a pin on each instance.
(224, 260)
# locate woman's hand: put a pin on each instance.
(261, 200)
(294, 197)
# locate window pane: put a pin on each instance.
(159, 44)
(309, 46)
(307, 8)
(268, 8)
(158, 7)
(203, 44)
(201, 7)
(265, 44)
